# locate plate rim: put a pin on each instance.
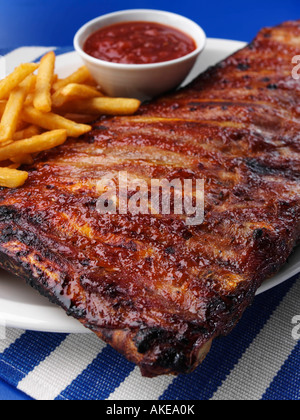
(54, 314)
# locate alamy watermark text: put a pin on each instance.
(125, 194)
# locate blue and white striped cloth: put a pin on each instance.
(259, 360)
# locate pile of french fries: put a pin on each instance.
(39, 111)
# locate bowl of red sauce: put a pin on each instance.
(140, 53)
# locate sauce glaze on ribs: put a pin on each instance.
(157, 290)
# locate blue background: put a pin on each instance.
(54, 23)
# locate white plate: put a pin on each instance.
(22, 307)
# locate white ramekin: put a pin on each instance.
(142, 81)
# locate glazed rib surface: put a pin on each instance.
(157, 290)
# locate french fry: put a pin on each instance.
(74, 91)
(32, 83)
(23, 160)
(42, 96)
(79, 76)
(34, 144)
(90, 81)
(102, 106)
(11, 178)
(29, 99)
(2, 107)
(12, 110)
(31, 93)
(28, 132)
(6, 143)
(15, 78)
(31, 104)
(54, 78)
(52, 121)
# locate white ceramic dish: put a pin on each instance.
(22, 307)
(146, 80)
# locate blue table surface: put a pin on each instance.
(54, 23)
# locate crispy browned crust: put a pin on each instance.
(157, 290)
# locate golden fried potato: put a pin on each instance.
(12, 178)
(51, 121)
(42, 100)
(15, 78)
(102, 106)
(79, 76)
(12, 111)
(74, 91)
(35, 144)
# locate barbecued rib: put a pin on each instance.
(157, 290)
